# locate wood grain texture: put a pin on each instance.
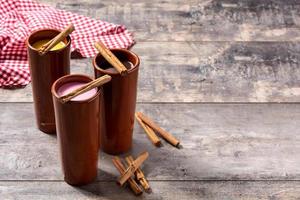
(175, 190)
(231, 151)
(196, 20)
(221, 142)
(207, 72)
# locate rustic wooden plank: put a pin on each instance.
(207, 72)
(221, 142)
(193, 190)
(196, 20)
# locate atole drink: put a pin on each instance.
(44, 70)
(117, 118)
(78, 126)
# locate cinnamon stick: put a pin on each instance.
(111, 58)
(120, 167)
(60, 37)
(95, 83)
(150, 133)
(132, 168)
(166, 135)
(139, 175)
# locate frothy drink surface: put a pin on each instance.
(40, 43)
(127, 64)
(69, 87)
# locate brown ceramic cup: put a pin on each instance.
(44, 70)
(78, 125)
(119, 95)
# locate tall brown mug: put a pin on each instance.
(117, 119)
(78, 126)
(44, 70)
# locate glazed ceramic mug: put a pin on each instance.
(119, 102)
(44, 70)
(78, 125)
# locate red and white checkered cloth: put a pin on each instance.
(19, 18)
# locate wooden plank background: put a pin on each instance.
(197, 20)
(259, 142)
(207, 72)
(177, 190)
(221, 75)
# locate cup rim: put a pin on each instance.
(134, 68)
(68, 77)
(47, 29)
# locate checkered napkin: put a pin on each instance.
(19, 18)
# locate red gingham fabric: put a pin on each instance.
(19, 18)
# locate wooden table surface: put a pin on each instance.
(221, 75)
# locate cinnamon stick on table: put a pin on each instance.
(120, 167)
(132, 168)
(60, 37)
(111, 58)
(166, 135)
(139, 175)
(95, 83)
(150, 133)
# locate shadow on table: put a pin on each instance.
(106, 189)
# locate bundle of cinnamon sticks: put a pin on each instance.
(133, 169)
(149, 127)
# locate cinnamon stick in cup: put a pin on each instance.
(132, 168)
(95, 83)
(60, 37)
(119, 102)
(44, 71)
(166, 135)
(120, 167)
(78, 129)
(139, 175)
(150, 133)
(111, 58)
